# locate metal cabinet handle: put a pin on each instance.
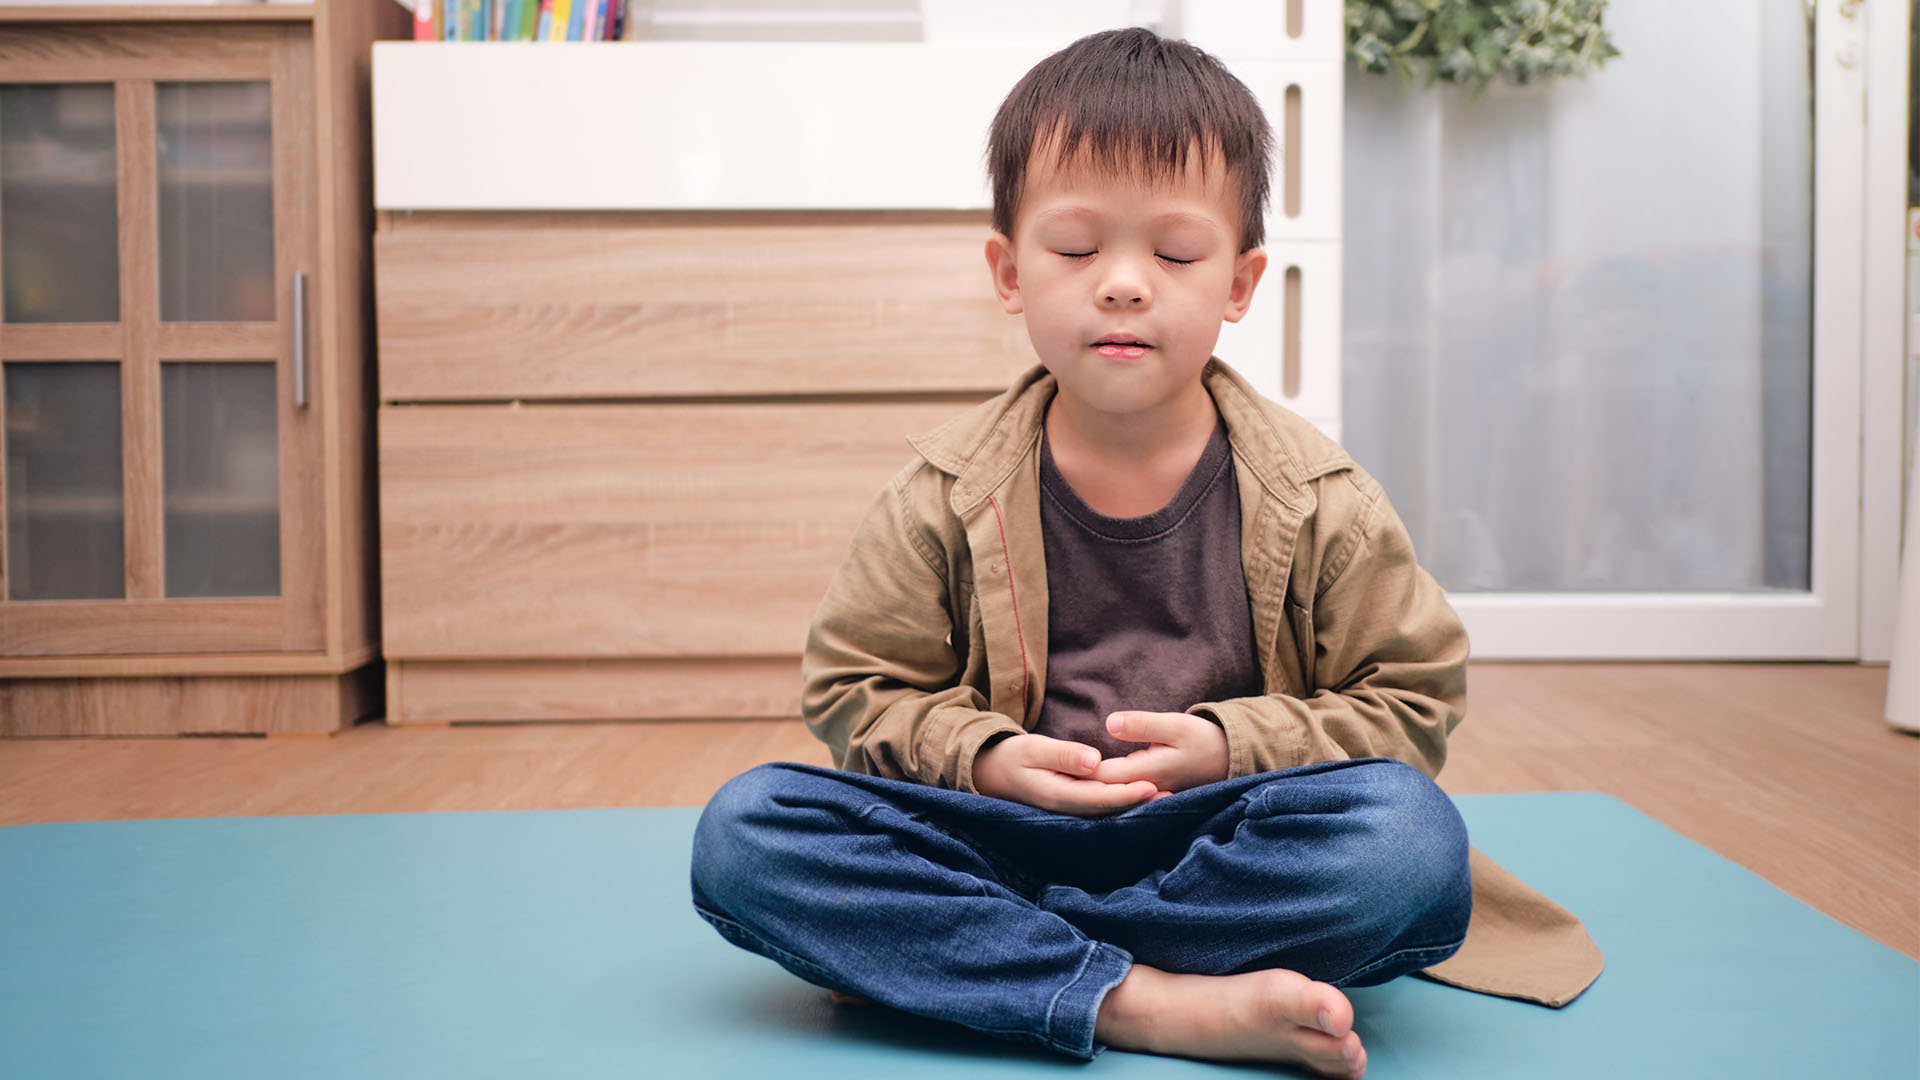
(299, 339)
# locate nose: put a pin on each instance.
(1124, 286)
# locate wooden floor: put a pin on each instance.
(1786, 769)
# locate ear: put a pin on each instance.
(1006, 278)
(1246, 274)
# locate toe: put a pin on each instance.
(1316, 1005)
(1335, 1013)
(1343, 1057)
(1330, 1057)
(1325, 1054)
(1298, 1000)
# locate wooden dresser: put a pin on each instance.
(621, 454)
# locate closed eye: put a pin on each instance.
(1089, 255)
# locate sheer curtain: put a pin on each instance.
(1577, 319)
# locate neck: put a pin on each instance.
(1138, 439)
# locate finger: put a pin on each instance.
(1060, 755)
(1088, 797)
(1147, 765)
(1098, 798)
(1150, 727)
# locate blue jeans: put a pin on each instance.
(1016, 921)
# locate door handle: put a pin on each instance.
(299, 339)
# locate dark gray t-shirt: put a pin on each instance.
(1145, 613)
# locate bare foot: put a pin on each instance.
(1274, 1015)
(846, 999)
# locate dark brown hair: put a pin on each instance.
(1139, 101)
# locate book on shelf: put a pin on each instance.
(510, 20)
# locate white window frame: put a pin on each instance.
(1825, 622)
(1884, 449)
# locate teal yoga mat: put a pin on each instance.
(562, 944)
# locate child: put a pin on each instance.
(1135, 684)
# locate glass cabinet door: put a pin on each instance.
(218, 421)
(65, 520)
(162, 447)
(59, 251)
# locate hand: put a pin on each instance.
(1186, 751)
(1052, 775)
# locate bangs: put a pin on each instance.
(1129, 104)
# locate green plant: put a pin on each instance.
(1471, 41)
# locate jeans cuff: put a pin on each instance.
(1407, 960)
(1070, 1019)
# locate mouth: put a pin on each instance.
(1122, 340)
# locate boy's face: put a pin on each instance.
(1093, 258)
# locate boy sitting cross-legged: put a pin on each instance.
(1134, 684)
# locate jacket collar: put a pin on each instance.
(980, 448)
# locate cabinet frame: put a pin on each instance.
(134, 60)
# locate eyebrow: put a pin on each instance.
(1172, 217)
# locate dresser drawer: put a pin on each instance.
(556, 531)
(609, 310)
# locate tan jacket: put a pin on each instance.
(933, 637)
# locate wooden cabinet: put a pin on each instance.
(185, 219)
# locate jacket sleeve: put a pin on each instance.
(1388, 656)
(882, 676)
